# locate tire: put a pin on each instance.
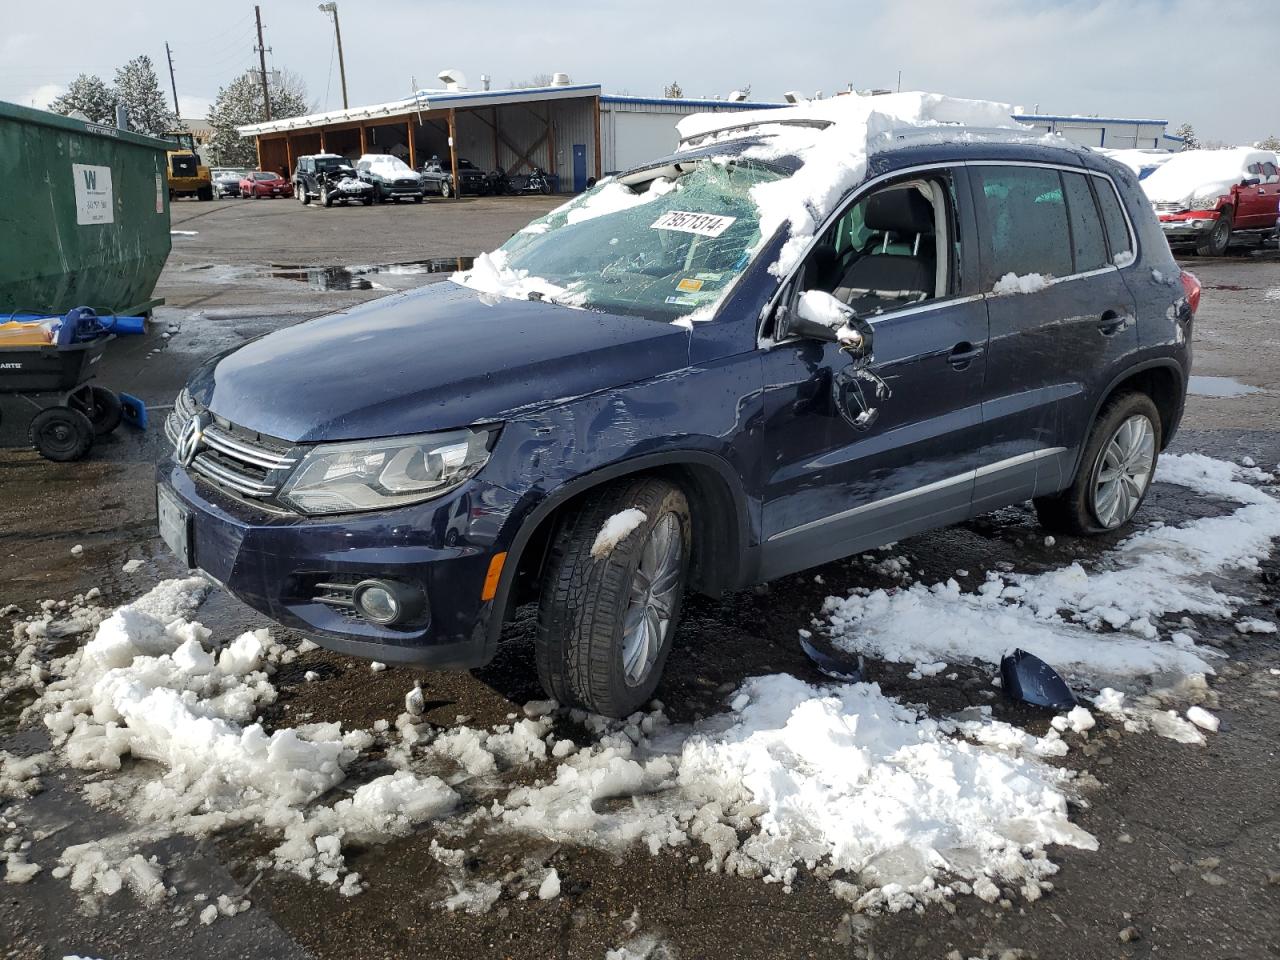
(367, 201)
(1084, 508)
(106, 411)
(326, 197)
(304, 198)
(204, 193)
(544, 187)
(418, 198)
(1217, 242)
(61, 434)
(582, 649)
(445, 190)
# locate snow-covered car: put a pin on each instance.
(1143, 162)
(331, 179)
(226, 183)
(1210, 198)
(257, 184)
(782, 346)
(390, 177)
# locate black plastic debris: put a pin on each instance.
(850, 671)
(1027, 678)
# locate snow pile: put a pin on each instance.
(615, 530)
(1058, 615)
(20, 776)
(892, 807)
(151, 685)
(1011, 283)
(101, 868)
(613, 197)
(490, 274)
(1201, 174)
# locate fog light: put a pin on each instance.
(387, 602)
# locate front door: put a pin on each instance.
(579, 167)
(835, 483)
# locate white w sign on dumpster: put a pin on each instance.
(93, 194)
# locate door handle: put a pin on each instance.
(963, 354)
(1112, 322)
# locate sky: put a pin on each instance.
(1127, 58)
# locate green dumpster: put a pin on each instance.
(84, 215)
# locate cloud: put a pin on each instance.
(42, 95)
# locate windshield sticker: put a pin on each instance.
(704, 224)
(689, 284)
(684, 301)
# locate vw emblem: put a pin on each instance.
(189, 440)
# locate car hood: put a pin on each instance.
(438, 357)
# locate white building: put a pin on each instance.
(1114, 133)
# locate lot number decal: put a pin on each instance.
(704, 224)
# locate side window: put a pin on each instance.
(1118, 239)
(1269, 171)
(890, 249)
(1089, 245)
(1026, 219)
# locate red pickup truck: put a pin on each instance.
(1211, 198)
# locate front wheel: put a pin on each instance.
(301, 193)
(1115, 471)
(1219, 239)
(444, 189)
(611, 596)
(326, 197)
(61, 434)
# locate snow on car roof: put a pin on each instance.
(1197, 173)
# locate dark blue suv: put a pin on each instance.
(641, 394)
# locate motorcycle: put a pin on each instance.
(536, 182)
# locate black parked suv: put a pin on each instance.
(651, 397)
(438, 178)
(330, 179)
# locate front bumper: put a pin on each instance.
(1189, 226)
(273, 562)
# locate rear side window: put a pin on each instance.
(1113, 220)
(1089, 245)
(1026, 218)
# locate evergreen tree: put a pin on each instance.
(1189, 139)
(1269, 143)
(240, 103)
(673, 91)
(138, 89)
(89, 96)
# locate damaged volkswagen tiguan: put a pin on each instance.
(735, 363)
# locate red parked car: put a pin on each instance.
(264, 183)
(1211, 198)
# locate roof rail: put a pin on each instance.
(746, 128)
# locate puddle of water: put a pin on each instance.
(358, 277)
(1219, 387)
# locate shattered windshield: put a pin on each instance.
(665, 247)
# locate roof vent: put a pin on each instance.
(452, 79)
(560, 80)
(737, 96)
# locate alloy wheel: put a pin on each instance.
(653, 594)
(1124, 471)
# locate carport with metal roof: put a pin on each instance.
(555, 127)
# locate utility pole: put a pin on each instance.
(262, 62)
(172, 82)
(332, 8)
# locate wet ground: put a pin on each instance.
(1189, 837)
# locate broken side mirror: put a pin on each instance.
(818, 315)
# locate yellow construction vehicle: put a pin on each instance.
(188, 176)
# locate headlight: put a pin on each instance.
(1202, 203)
(376, 474)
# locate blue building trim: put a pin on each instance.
(685, 101)
(1053, 118)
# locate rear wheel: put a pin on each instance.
(61, 434)
(1115, 471)
(326, 197)
(304, 198)
(445, 189)
(1215, 245)
(205, 193)
(609, 609)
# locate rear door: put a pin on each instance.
(832, 486)
(1061, 320)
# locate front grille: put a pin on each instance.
(406, 183)
(230, 457)
(1165, 206)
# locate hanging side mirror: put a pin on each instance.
(820, 316)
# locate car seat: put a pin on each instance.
(901, 265)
